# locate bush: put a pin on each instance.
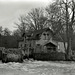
(12, 50)
(12, 55)
(12, 58)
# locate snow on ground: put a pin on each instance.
(38, 68)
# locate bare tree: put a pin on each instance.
(62, 17)
(1, 30)
(69, 24)
(34, 20)
(21, 27)
(6, 32)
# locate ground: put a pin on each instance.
(29, 67)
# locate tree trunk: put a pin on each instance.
(69, 50)
(67, 29)
(68, 33)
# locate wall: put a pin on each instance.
(61, 47)
(21, 44)
(47, 36)
(44, 38)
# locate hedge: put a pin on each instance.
(55, 56)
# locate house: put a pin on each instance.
(21, 43)
(43, 41)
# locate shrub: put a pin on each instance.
(14, 58)
(50, 56)
(12, 55)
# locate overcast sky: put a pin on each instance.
(10, 10)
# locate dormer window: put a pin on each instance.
(48, 37)
(38, 44)
(47, 34)
(44, 36)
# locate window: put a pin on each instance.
(47, 34)
(51, 49)
(30, 45)
(72, 53)
(58, 46)
(25, 45)
(21, 45)
(44, 36)
(38, 44)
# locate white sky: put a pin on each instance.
(10, 10)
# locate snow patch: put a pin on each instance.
(40, 67)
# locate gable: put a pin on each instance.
(37, 33)
(46, 35)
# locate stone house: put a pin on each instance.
(42, 41)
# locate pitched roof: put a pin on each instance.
(52, 42)
(36, 32)
(41, 31)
